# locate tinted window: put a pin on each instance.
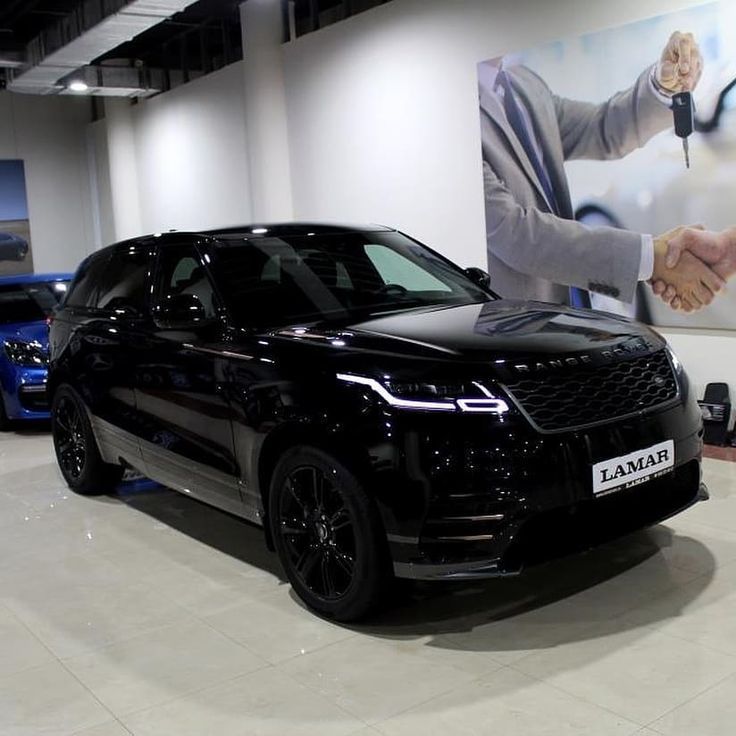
(125, 281)
(84, 288)
(29, 302)
(180, 271)
(278, 281)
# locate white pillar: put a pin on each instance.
(265, 110)
(124, 187)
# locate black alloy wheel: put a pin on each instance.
(328, 534)
(317, 529)
(76, 448)
(69, 438)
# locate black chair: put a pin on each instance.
(716, 408)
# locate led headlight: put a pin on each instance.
(25, 353)
(472, 397)
(675, 361)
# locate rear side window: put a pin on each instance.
(125, 281)
(84, 289)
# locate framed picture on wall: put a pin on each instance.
(15, 232)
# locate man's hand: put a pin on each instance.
(680, 66)
(717, 249)
(690, 280)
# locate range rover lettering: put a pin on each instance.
(376, 408)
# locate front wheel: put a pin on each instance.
(328, 534)
(76, 449)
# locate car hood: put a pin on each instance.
(494, 331)
(26, 331)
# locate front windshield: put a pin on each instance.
(31, 302)
(270, 281)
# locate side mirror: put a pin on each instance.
(479, 276)
(181, 312)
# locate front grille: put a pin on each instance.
(571, 397)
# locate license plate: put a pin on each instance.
(633, 469)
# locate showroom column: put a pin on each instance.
(266, 129)
(121, 151)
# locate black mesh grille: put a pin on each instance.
(589, 394)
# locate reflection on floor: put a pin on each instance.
(150, 614)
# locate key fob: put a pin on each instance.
(683, 111)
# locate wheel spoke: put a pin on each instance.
(293, 526)
(307, 561)
(328, 583)
(340, 519)
(62, 424)
(344, 561)
(318, 488)
(292, 492)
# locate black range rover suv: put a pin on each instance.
(375, 407)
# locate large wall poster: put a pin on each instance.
(15, 232)
(611, 181)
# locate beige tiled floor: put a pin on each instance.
(150, 614)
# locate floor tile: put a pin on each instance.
(510, 703)
(19, 649)
(165, 664)
(49, 701)
(713, 713)
(375, 680)
(703, 611)
(111, 728)
(532, 623)
(638, 673)
(276, 627)
(82, 605)
(266, 703)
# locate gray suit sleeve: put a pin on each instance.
(614, 128)
(602, 259)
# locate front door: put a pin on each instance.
(187, 439)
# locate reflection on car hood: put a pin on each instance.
(26, 331)
(490, 331)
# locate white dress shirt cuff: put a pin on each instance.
(646, 264)
(664, 97)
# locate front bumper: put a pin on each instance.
(24, 392)
(496, 497)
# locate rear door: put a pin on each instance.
(187, 439)
(109, 314)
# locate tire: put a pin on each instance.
(76, 448)
(328, 535)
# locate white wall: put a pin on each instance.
(383, 121)
(48, 133)
(176, 161)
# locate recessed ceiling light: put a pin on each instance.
(78, 86)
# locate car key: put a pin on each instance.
(684, 114)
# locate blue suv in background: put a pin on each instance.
(26, 301)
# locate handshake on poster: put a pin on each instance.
(692, 264)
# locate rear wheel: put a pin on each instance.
(76, 449)
(328, 534)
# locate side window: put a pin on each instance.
(84, 288)
(181, 272)
(395, 268)
(124, 283)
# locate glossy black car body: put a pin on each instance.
(472, 428)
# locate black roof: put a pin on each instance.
(253, 231)
(279, 229)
